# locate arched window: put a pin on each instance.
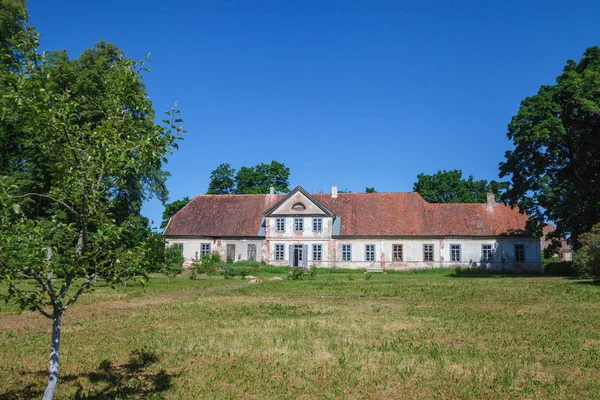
(298, 206)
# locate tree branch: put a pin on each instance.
(81, 289)
(47, 197)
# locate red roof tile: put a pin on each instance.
(362, 214)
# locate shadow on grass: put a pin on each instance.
(485, 273)
(131, 380)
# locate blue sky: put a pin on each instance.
(346, 93)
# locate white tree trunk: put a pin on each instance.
(54, 352)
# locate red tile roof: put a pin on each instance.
(362, 214)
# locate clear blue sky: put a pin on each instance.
(346, 93)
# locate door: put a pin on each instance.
(231, 252)
(298, 255)
(252, 252)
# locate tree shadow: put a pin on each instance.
(588, 283)
(482, 273)
(134, 379)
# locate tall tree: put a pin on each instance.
(554, 169)
(222, 180)
(171, 209)
(261, 177)
(451, 187)
(73, 177)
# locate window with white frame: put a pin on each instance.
(298, 224)
(519, 252)
(369, 252)
(280, 224)
(455, 252)
(317, 224)
(317, 252)
(204, 249)
(279, 252)
(346, 252)
(397, 252)
(427, 252)
(486, 252)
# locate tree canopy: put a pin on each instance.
(171, 209)
(250, 180)
(222, 180)
(451, 187)
(554, 168)
(79, 153)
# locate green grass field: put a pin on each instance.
(405, 335)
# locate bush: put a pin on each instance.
(587, 258)
(556, 267)
(173, 261)
(300, 273)
(243, 272)
(208, 265)
(228, 272)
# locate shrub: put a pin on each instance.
(368, 276)
(243, 272)
(296, 274)
(173, 262)
(587, 258)
(556, 267)
(228, 272)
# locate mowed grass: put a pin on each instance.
(406, 335)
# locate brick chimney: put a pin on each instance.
(491, 198)
(271, 190)
(334, 192)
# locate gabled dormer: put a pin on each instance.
(299, 214)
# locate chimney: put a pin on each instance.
(334, 192)
(491, 198)
(271, 190)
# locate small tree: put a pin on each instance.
(587, 258)
(50, 256)
(173, 261)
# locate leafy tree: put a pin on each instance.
(587, 258)
(370, 190)
(222, 180)
(260, 178)
(171, 209)
(73, 176)
(554, 168)
(451, 187)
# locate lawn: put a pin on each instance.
(404, 335)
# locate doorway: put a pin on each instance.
(298, 255)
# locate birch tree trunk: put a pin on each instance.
(54, 353)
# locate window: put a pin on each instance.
(280, 225)
(427, 252)
(519, 252)
(369, 252)
(397, 252)
(317, 224)
(204, 249)
(346, 252)
(298, 224)
(486, 252)
(298, 206)
(317, 252)
(279, 252)
(455, 252)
